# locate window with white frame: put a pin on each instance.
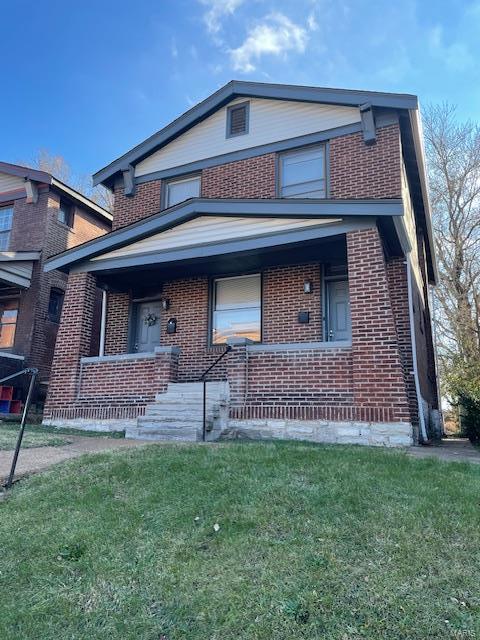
(180, 190)
(6, 217)
(236, 308)
(302, 173)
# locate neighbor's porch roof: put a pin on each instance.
(16, 267)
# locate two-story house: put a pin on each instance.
(39, 217)
(289, 223)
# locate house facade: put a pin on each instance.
(39, 217)
(280, 236)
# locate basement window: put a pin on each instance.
(236, 308)
(302, 173)
(237, 119)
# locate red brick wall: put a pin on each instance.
(250, 178)
(36, 227)
(283, 298)
(361, 171)
(117, 324)
(377, 368)
(144, 203)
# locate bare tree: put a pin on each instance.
(59, 167)
(453, 152)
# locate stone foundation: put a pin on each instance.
(91, 424)
(388, 434)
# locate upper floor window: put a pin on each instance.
(237, 119)
(180, 190)
(55, 304)
(65, 213)
(236, 308)
(8, 322)
(6, 216)
(302, 173)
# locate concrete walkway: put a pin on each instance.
(450, 450)
(39, 458)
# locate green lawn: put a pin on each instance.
(34, 436)
(313, 542)
(37, 435)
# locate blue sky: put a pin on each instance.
(88, 80)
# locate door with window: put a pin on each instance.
(339, 324)
(147, 326)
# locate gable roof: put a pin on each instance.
(235, 89)
(194, 207)
(43, 177)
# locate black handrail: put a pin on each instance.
(33, 372)
(202, 378)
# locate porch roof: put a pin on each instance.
(16, 268)
(335, 217)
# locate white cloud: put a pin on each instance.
(456, 56)
(275, 35)
(312, 22)
(217, 10)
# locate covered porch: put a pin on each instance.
(294, 296)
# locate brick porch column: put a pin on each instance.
(378, 380)
(73, 340)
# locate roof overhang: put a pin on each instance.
(347, 210)
(236, 89)
(16, 267)
(45, 178)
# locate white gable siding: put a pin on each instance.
(269, 121)
(10, 183)
(213, 229)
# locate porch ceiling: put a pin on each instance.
(146, 279)
(352, 213)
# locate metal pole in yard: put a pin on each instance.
(33, 372)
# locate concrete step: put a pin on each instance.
(155, 422)
(160, 435)
(180, 410)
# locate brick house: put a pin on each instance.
(288, 223)
(39, 217)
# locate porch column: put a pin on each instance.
(378, 380)
(73, 340)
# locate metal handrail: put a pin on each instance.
(33, 371)
(228, 348)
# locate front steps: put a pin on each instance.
(177, 415)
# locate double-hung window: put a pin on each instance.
(8, 322)
(6, 216)
(302, 173)
(236, 308)
(180, 190)
(65, 213)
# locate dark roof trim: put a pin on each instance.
(225, 247)
(46, 178)
(278, 207)
(235, 89)
(25, 172)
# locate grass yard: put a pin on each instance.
(34, 436)
(312, 542)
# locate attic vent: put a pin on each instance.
(237, 119)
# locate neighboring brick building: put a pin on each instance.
(292, 223)
(39, 217)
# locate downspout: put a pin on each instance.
(421, 416)
(103, 324)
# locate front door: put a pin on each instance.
(338, 311)
(147, 326)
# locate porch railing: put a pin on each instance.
(228, 348)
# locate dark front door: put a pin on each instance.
(338, 301)
(147, 326)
